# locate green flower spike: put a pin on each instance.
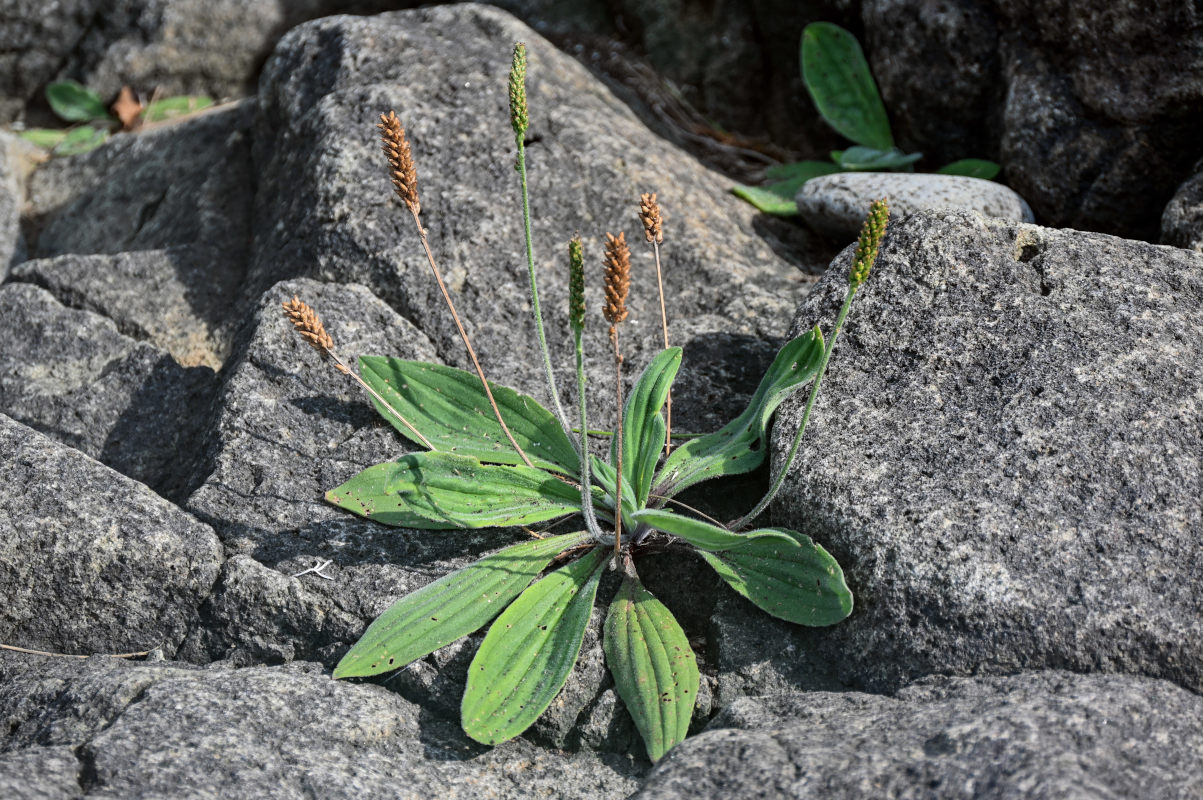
(518, 115)
(868, 242)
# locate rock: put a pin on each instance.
(836, 204)
(184, 183)
(1093, 107)
(178, 299)
(1005, 459)
(1042, 735)
(327, 209)
(17, 160)
(90, 560)
(71, 375)
(1182, 221)
(40, 773)
(166, 730)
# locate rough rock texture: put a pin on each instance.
(168, 730)
(34, 38)
(126, 571)
(1092, 106)
(1006, 458)
(1182, 221)
(1051, 735)
(836, 204)
(326, 207)
(71, 375)
(17, 160)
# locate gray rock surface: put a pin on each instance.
(836, 204)
(34, 39)
(326, 208)
(1182, 220)
(167, 730)
(71, 375)
(17, 159)
(1005, 459)
(1051, 735)
(1093, 107)
(91, 561)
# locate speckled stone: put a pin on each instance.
(1033, 736)
(836, 204)
(1182, 220)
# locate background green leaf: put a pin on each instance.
(46, 138)
(837, 76)
(971, 168)
(451, 409)
(450, 608)
(789, 576)
(442, 491)
(654, 668)
(642, 424)
(81, 140)
(800, 170)
(739, 445)
(170, 107)
(867, 159)
(529, 651)
(774, 198)
(75, 103)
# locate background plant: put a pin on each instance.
(839, 82)
(94, 123)
(496, 458)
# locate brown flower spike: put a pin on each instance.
(309, 325)
(400, 161)
(649, 215)
(617, 278)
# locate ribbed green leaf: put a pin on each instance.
(642, 424)
(775, 198)
(971, 168)
(654, 669)
(702, 535)
(837, 76)
(439, 491)
(75, 103)
(868, 159)
(450, 608)
(450, 408)
(788, 576)
(604, 478)
(529, 651)
(739, 445)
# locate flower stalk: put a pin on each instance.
(618, 284)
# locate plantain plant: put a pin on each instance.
(492, 457)
(839, 82)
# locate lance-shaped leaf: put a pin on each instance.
(529, 651)
(654, 668)
(452, 411)
(642, 425)
(739, 445)
(441, 491)
(605, 476)
(782, 571)
(450, 608)
(868, 159)
(837, 76)
(971, 168)
(75, 103)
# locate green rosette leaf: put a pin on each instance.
(450, 408)
(442, 491)
(837, 76)
(529, 652)
(654, 668)
(450, 608)
(75, 103)
(642, 424)
(739, 445)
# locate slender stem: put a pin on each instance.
(343, 368)
(463, 335)
(668, 403)
(618, 434)
(534, 291)
(586, 490)
(16, 649)
(743, 521)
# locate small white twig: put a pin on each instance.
(316, 570)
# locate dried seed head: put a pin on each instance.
(618, 278)
(400, 161)
(576, 283)
(868, 242)
(518, 113)
(309, 325)
(649, 215)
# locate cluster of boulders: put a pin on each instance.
(1006, 458)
